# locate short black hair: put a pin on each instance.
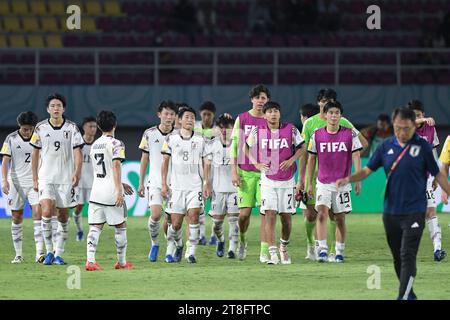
(271, 105)
(333, 104)
(58, 96)
(327, 93)
(405, 113)
(88, 119)
(27, 118)
(224, 122)
(185, 108)
(180, 106)
(209, 106)
(257, 90)
(416, 105)
(384, 118)
(106, 120)
(309, 109)
(168, 104)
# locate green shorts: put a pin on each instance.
(249, 192)
(311, 201)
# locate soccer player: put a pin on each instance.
(316, 122)
(89, 127)
(279, 146)
(445, 160)
(106, 202)
(184, 150)
(224, 194)
(17, 184)
(56, 163)
(151, 144)
(244, 174)
(333, 147)
(207, 128)
(428, 132)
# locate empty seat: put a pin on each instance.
(54, 41)
(11, 24)
(112, 8)
(4, 8)
(49, 24)
(3, 43)
(94, 8)
(17, 41)
(36, 41)
(56, 8)
(19, 7)
(30, 24)
(38, 7)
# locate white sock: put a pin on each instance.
(62, 236)
(92, 241)
(201, 223)
(194, 233)
(273, 250)
(218, 229)
(121, 244)
(179, 238)
(153, 229)
(323, 245)
(55, 231)
(78, 221)
(233, 233)
(38, 237)
(340, 248)
(435, 232)
(47, 232)
(17, 237)
(171, 235)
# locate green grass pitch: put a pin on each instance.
(221, 278)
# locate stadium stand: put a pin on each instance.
(293, 25)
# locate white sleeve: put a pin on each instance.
(77, 139)
(252, 138)
(356, 143)
(436, 139)
(166, 149)
(312, 144)
(297, 138)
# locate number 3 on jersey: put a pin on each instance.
(100, 157)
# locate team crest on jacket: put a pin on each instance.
(194, 145)
(414, 151)
(66, 134)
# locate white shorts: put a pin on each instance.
(223, 203)
(281, 200)
(18, 195)
(181, 201)
(83, 195)
(112, 215)
(431, 200)
(63, 194)
(154, 197)
(338, 202)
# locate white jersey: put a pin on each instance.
(219, 155)
(104, 151)
(19, 150)
(151, 143)
(87, 175)
(56, 146)
(186, 160)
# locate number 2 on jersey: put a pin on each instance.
(100, 157)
